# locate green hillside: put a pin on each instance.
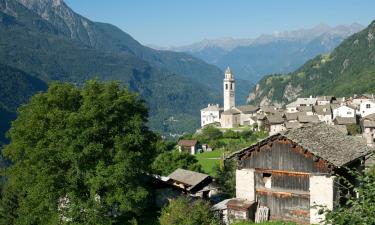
(47, 52)
(348, 69)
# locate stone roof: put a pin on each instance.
(322, 109)
(368, 123)
(232, 111)
(188, 177)
(329, 143)
(306, 101)
(248, 108)
(305, 108)
(324, 141)
(341, 128)
(212, 107)
(325, 98)
(308, 119)
(291, 116)
(369, 117)
(187, 143)
(292, 125)
(268, 109)
(344, 120)
(275, 119)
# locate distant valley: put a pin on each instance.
(280, 52)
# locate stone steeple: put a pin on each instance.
(229, 90)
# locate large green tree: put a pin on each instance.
(78, 156)
(169, 161)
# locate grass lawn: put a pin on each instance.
(207, 161)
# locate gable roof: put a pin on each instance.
(247, 108)
(344, 120)
(212, 107)
(291, 116)
(322, 109)
(275, 119)
(308, 119)
(232, 111)
(324, 141)
(188, 177)
(187, 143)
(305, 108)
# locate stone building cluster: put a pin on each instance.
(339, 112)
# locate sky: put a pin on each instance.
(168, 23)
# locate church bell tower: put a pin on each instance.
(229, 90)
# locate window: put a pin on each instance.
(368, 106)
(349, 113)
(226, 86)
(231, 86)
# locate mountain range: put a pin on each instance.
(349, 69)
(47, 41)
(279, 52)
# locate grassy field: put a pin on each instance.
(209, 160)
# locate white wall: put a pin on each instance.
(343, 111)
(245, 184)
(321, 194)
(208, 117)
(364, 110)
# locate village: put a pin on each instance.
(294, 173)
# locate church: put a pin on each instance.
(230, 115)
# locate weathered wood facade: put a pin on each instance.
(287, 173)
(282, 174)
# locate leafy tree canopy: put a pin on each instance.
(167, 162)
(359, 210)
(183, 212)
(78, 155)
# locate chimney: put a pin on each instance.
(310, 96)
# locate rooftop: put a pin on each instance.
(187, 143)
(247, 108)
(324, 141)
(188, 177)
(344, 120)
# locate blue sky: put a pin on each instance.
(179, 22)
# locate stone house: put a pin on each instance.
(247, 114)
(190, 146)
(308, 110)
(274, 124)
(323, 112)
(210, 114)
(295, 172)
(230, 118)
(367, 124)
(325, 100)
(366, 108)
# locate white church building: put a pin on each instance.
(230, 115)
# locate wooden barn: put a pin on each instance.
(292, 172)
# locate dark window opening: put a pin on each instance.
(226, 86)
(267, 180)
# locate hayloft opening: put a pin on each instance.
(267, 179)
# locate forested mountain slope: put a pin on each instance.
(347, 70)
